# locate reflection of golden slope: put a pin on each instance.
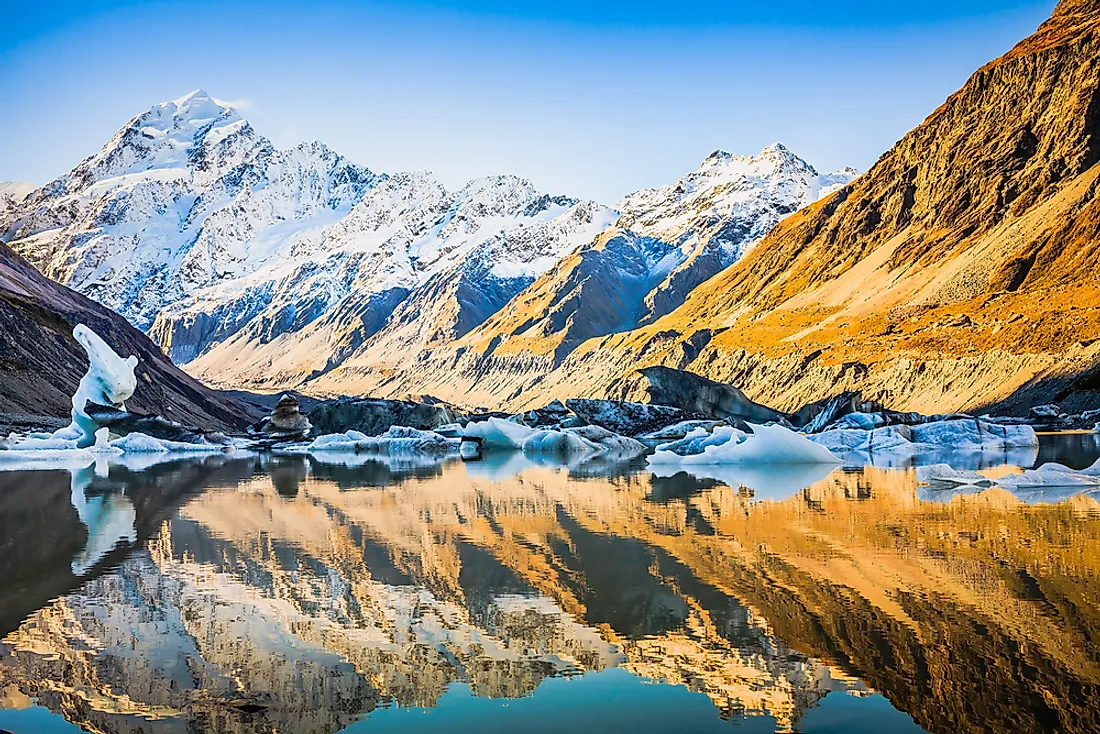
(263, 598)
(516, 520)
(855, 555)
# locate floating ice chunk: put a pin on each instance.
(975, 434)
(679, 430)
(766, 445)
(450, 430)
(699, 439)
(38, 443)
(139, 443)
(559, 443)
(944, 474)
(397, 441)
(1050, 475)
(500, 434)
(608, 441)
(24, 459)
(864, 421)
(879, 440)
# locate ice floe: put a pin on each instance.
(727, 445)
(1051, 482)
(396, 441)
(497, 433)
(958, 435)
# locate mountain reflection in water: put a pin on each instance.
(284, 594)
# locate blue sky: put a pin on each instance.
(593, 99)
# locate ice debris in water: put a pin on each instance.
(398, 440)
(975, 434)
(497, 433)
(109, 381)
(765, 445)
(950, 435)
(1048, 475)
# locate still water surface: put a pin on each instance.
(288, 595)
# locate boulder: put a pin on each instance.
(696, 394)
(627, 419)
(375, 416)
(286, 422)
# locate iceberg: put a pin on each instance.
(765, 445)
(895, 439)
(944, 474)
(559, 443)
(109, 381)
(139, 443)
(679, 430)
(974, 434)
(605, 440)
(1051, 482)
(497, 433)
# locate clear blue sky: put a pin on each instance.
(583, 97)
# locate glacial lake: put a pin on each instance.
(283, 594)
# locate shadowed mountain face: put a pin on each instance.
(41, 364)
(290, 597)
(959, 272)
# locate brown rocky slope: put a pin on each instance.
(41, 364)
(958, 273)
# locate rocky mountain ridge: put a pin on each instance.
(620, 271)
(957, 274)
(265, 268)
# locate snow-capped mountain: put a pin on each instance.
(266, 267)
(184, 197)
(423, 264)
(666, 242)
(196, 228)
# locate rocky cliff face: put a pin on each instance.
(664, 243)
(958, 273)
(41, 364)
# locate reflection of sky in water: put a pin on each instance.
(522, 594)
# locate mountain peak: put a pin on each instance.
(198, 94)
(776, 149)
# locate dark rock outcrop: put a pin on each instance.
(286, 422)
(696, 394)
(122, 423)
(627, 419)
(374, 416)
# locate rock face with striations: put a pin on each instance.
(41, 364)
(697, 394)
